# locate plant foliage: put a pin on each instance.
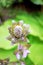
(38, 2)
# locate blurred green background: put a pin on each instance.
(35, 19)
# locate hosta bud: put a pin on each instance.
(25, 53)
(18, 55)
(20, 47)
(18, 31)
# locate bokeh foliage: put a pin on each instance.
(6, 3)
(38, 2)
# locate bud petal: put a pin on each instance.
(20, 47)
(18, 31)
(18, 55)
(25, 53)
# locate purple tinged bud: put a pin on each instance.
(18, 31)
(23, 39)
(18, 55)
(20, 47)
(25, 53)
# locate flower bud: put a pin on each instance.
(18, 31)
(18, 55)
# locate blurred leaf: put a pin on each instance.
(6, 3)
(20, 0)
(38, 2)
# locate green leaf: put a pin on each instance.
(6, 3)
(38, 2)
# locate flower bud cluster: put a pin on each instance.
(18, 33)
